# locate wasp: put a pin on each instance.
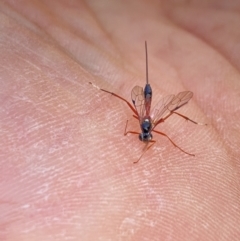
(149, 118)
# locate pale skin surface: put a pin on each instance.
(67, 171)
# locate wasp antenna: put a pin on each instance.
(146, 61)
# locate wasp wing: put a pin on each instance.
(138, 101)
(169, 104)
(161, 108)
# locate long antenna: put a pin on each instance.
(146, 62)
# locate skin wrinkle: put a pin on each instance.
(63, 155)
(203, 32)
(217, 29)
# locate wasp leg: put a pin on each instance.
(161, 133)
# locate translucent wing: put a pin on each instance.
(169, 104)
(138, 101)
(161, 108)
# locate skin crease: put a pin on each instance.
(67, 171)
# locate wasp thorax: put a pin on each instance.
(146, 127)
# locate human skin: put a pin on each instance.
(66, 169)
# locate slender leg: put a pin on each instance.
(131, 132)
(188, 119)
(183, 116)
(161, 133)
(119, 97)
(145, 150)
